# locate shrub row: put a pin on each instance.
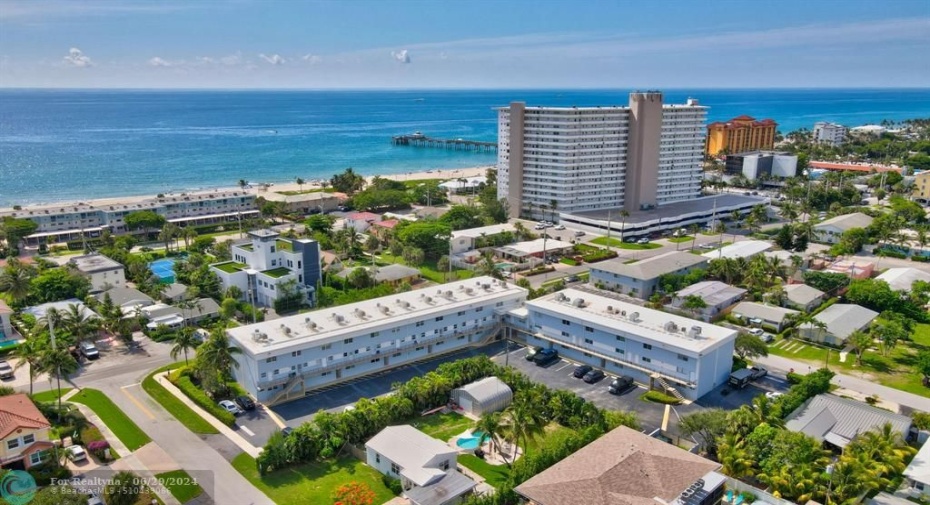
(199, 397)
(658, 397)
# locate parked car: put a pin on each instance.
(560, 227)
(76, 453)
(89, 350)
(287, 431)
(756, 332)
(630, 240)
(758, 372)
(245, 402)
(546, 357)
(230, 407)
(620, 384)
(572, 278)
(581, 371)
(593, 376)
(6, 371)
(579, 233)
(767, 338)
(771, 395)
(643, 241)
(531, 353)
(93, 499)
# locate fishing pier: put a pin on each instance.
(419, 140)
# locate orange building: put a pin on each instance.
(740, 134)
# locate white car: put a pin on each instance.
(771, 395)
(76, 453)
(230, 407)
(560, 227)
(756, 332)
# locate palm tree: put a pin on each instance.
(694, 232)
(215, 361)
(553, 206)
(30, 352)
(188, 233)
(58, 362)
(524, 422)
(122, 489)
(243, 183)
(300, 184)
(185, 341)
(859, 341)
(623, 215)
(491, 425)
(77, 323)
(734, 457)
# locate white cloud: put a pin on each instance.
(158, 62)
(77, 58)
(274, 59)
(401, 56)
(232, 59)
(312, 59)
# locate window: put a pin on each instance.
(621, 339)
(375, 360)
(588, 341)
(349, 367)
(439, 318)
(12, 444)
(375, 334)
(28, 439)
(272, 248)
(295, 354)
(326, 347)
(35, 458)
(479, 309)
(589, 329)
(682, 357)
(395, 468)
(377, 458)
(420, 323)
(619, 350)
(444, 465)
(565, 334)
(271, 359)
(647, 346)
(461, 313)
(347, 341)
(264, 375)
(566, 322)
(499, 304)
(647, 360)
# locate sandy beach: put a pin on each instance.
(258, 188)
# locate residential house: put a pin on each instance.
(630, 468)
(6, 328)
(852, 269)
(917, 474)
(624, 338)
(641, 279)
(174, 292)
(901, 279)
(202, 309)
(383, 229)
(102, 272)
(803, 297)
(270, 267)
(718, 296)
(127, 299)
(467, 240)
(393, 274)
(743, 249)
(361, 221)
(759, 314)
(836, 421)
(426, 467)
(539, 248)
(841, 320)
(39, 311)
(24, 432)
(832, 229)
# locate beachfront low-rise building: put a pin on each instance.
(269, 268)
(313, 202)
(771, 317)
(619, 337)
(640, 279)
(285, 358)
(830, 134)
(903, 279)
(74, 221)
(102, 272)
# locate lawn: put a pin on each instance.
(612, 242)
(49, 396)
(115, 419)
(181, 485)
(894, 370)
(312, 482)
(428, 269)
(277, 272)
(443, 426)
(495, 475)
(679, 240)
(174, 406)
(231, 267)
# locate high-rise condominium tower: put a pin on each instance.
(591, 158)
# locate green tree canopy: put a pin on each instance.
(144, 220)
(347, 182)
(462, 217)
(750, 346)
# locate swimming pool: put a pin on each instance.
(163, 269)
(472, 441)
(503, 266)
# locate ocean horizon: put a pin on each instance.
(78, 144)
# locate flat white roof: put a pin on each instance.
(616, 315)
(919, 469)
(742, 249)
(302, 330)
(536, 246)
(91, 263)
(494, 229)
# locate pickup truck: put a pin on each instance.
(758, 372)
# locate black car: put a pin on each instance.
(582, 370)
(245, 402)
(620, 384)
(287, 431)
(546, 357)
(593, 376)
(531, 353)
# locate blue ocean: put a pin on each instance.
(67, 145)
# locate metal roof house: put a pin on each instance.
(837, 421)
(901, 279)
(742, 249)
(630, 468)
(842, 319)
(425, 466)
(917, 473)
(717, 295)
(641, 278)
(803, 297)
(481, 397)
(769, 315)
(832, 229)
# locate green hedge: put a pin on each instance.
(199, 397)
(569, 261)
(657, 397)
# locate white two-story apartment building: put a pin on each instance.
(102, 272)
(260, 267)
(283, 359)
(625, 339)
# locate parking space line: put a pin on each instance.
(563, 367)
(247, 430)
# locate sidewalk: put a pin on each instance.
(854, 383)
(223, 429)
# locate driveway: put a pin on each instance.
(256, 426)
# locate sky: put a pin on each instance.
(388, 44)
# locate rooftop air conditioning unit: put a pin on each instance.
(429, 299)
(671, 326)
(486, 287)
(469, 291)
(338, 317)
(384, 309)
(578, 302)
(359, 313)
(634, 316)
(448, 294)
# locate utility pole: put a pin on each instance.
(608, 231)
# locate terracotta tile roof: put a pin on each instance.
(624, 467)
(363, 216)
(744, 117)
(18, 411)
(388, 223)
(851, 167)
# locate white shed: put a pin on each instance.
(487, 395)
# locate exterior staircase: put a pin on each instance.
(669, 390)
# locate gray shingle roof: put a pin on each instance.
(652, 268)
(802, 294)
(838, 420)
(844, 318)
(624, 467)
(122, 296)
